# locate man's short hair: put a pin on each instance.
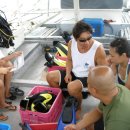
(81, 27)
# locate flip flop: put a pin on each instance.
(16, 91)
(11, 97)
(11, 108)
(19, 92)
(8, 102)
(2, 117)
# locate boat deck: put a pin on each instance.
(33, 72)
(14, 117)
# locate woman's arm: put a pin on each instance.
(11, 56)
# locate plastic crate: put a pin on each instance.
(4, 126)
(45, 126)
(51, 116)
(97, 25)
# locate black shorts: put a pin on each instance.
(63, 84)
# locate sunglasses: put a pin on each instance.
(84, 40)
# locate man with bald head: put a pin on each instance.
(114, 102)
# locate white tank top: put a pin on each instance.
(83, 61)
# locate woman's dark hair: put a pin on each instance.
(81, 27)
(121, 46)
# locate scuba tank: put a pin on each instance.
(62, 49)
(60, 57)
(52, 60)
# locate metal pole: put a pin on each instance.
(76, 9)
(48, 8)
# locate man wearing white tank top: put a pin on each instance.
(83, 52)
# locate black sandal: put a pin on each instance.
(11, 97)
(8, 102)
(16, 91)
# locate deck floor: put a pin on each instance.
(14, 117)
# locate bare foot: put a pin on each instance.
(7, 95)
(4, 105)
(8, 107)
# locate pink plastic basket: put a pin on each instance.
(44, 126)
(55, 68)
(51, 116)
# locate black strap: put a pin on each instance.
(119, 80)
(128, 70)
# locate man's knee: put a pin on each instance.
(52, 76)
(49, 76)
(74, 89)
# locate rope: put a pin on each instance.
(6, 34)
